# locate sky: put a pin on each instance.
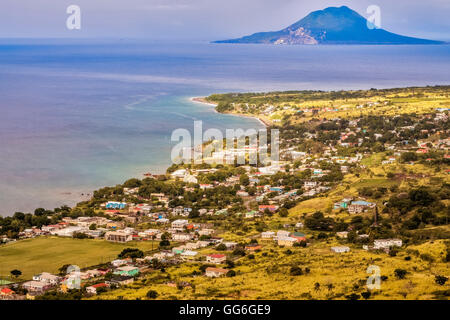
(204, 19)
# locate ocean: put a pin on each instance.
(79, 115)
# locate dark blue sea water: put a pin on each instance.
(76, 116)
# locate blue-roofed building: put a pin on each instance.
(115, 205)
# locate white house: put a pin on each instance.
(283, 234)
(182, 237)
(340, 249)
(47, 278)
(267, 235)
(386, 243)
(179, 223)
(216, 258)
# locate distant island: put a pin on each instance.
(333, 25)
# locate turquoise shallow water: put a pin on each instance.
(78, 116)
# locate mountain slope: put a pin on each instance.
(333, 25)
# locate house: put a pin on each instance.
(299, 236)
(36, 286)
(117, 236)
(122, 280)
(182, 237)
(359, 206)
(188, 254)
(342, 234)
(6, 292)
(216, 258)
(93, 289)
(271, 208)
(47, 278)
(353, 208)
(215, 272)
(309, 184)
(206, 232)
(127, 271)
(115, 205)
(179, 224)
(242, 193)
(386, 243)
(340, 249)
(286, 241)
(253, 247)
(267, 235)
(299, 225)
(230, 245)
(283, 233)
(252, 214)
(180, 173)
(119, 262)
(190, 179)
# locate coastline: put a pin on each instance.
(203, 101)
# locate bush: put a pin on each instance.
(353, 296)
(296, 271)
(440, 280)
(231, 273)
(400, 273)
(221, 247)
(131, 253)
(152, 294)
(426, 257)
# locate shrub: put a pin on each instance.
(296, 271)
(152, 294)
(440, 280)
(400, 273)
(366, 294)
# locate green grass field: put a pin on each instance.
(48, 254)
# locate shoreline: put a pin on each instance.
(203, 101)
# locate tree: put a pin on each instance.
(366, 294)
(400, 273)
(408, 157)
(440, 280)
(231, 273)
(16, 273)
(132, 253)
(296, 271)
(244, 180)
(152, 294)
(283, 212)
(63, 270)
(164, 243)
(221, 247)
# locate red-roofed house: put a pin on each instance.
(271, 207)
(216, 258)
(6, 292)
(93, 289)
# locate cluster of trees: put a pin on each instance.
(19, 221)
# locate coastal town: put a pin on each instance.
(362, 180)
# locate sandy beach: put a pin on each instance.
(202, 100)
